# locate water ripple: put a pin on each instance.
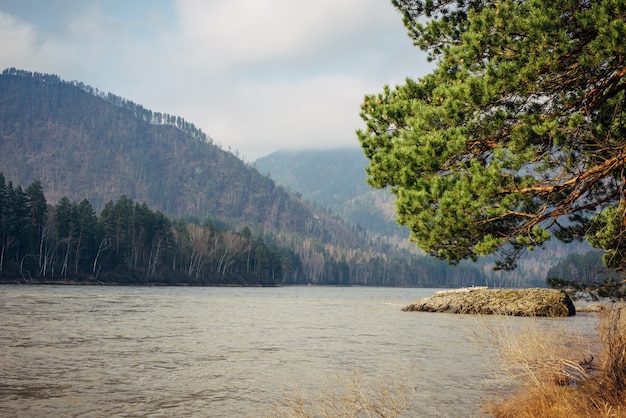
(136, 352)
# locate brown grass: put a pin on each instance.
(565, 375)
(384, 398)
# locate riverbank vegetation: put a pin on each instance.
(127, 243)
(130, 243)
(560, 375)
(385, 397)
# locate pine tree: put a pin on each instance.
(515, 137)
(3, 220)
(38, 228)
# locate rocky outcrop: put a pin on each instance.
(594, 307)
(515, 302)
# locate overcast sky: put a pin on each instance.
(255, 75)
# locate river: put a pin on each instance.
(89, 351)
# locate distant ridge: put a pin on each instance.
(335, 179)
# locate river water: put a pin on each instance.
(86, 351)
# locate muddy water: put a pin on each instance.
(204, 352)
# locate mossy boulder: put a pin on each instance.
(515, 302)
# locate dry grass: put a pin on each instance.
(565, 375)
(385, 398)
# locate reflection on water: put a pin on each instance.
(140, 351)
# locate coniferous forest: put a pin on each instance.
(127, 243)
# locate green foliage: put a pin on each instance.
(587, 273)
(515, 137)
(127, 244)
(20, 217)
(607, 231)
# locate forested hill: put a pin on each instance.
(335, 179)
(81, 143)
(84, 144)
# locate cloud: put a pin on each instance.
(16, 37)
(319, 112)
(256, 75)
(22, 47)
(291, 73)
(256, 32)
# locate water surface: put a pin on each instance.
(196, 352)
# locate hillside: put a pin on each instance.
(335, 179)
(81, 143)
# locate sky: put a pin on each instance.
(257, 76)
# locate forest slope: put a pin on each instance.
(84, 145)
(81, 143)
(335, 179)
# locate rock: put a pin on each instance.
(515, 302)
(593, 307)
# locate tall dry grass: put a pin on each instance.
(564, 375)
(384, 398)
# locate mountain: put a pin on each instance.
(81, 143)
(98, 146)
(335, 179)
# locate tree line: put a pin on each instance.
(127, 243)
(587, 273)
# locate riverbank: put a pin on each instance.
(560, 374)
(481, 300)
